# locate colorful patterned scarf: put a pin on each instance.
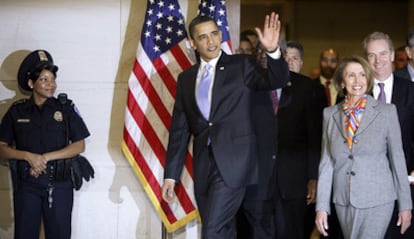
(353, 117)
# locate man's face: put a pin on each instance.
(207, 40)
(401, 59)
(328, 63)
(245, 47)
(292, 57)
(380, 58)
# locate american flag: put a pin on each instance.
(162, 54)
(217, 10)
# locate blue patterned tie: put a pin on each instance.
(381, 96)
(202, 92)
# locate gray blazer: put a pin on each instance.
(375, 167)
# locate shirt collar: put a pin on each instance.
(212, 62)
(410, 71)
(388, 81)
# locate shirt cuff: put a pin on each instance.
(274, 55)
(170, 179)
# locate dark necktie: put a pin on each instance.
(328, 92)
(275, 100)
(203, 90)
(381, 96)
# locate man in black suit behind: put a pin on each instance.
(224, 147)
(407, 71)
(299, 142)
(379, 51)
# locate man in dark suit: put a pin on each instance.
(288, 134)
(299, 141)
(379, 52)
(407, 71)
(224, 147)
(328, 61)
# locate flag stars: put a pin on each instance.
(168, 29)
(159, 15)
(161, 4)
(222, 12)
(180, 33)
(150, 12)
(157, 37)
(212, 8)
(171, 7)
(168, 41)
(149, 23)
(147, 34)
(170, 18)
(156, 48)
(158, 26)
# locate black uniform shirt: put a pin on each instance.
(42, 130)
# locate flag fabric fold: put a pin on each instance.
(162, 53)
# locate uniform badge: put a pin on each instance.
(58, 116)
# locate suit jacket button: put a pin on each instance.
(353, 173)
(273, 156)
(351, 156)
(210, 124)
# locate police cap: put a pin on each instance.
(36, 60)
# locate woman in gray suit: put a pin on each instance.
(362, 162)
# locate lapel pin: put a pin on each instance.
(221, 68)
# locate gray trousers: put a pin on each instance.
(363, 223)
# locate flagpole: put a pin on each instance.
(164, 234)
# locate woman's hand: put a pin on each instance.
(404, 220)
(37, 163)
(321, 222)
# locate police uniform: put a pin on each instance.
(42, 130)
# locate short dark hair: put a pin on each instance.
(198, 20)
(298, 46)
(247, 32)
(35, 72)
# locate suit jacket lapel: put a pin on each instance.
(369, 115)
(397, 99)
(192, 85)
(219, 77)
(286, 95)
(339, 118)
